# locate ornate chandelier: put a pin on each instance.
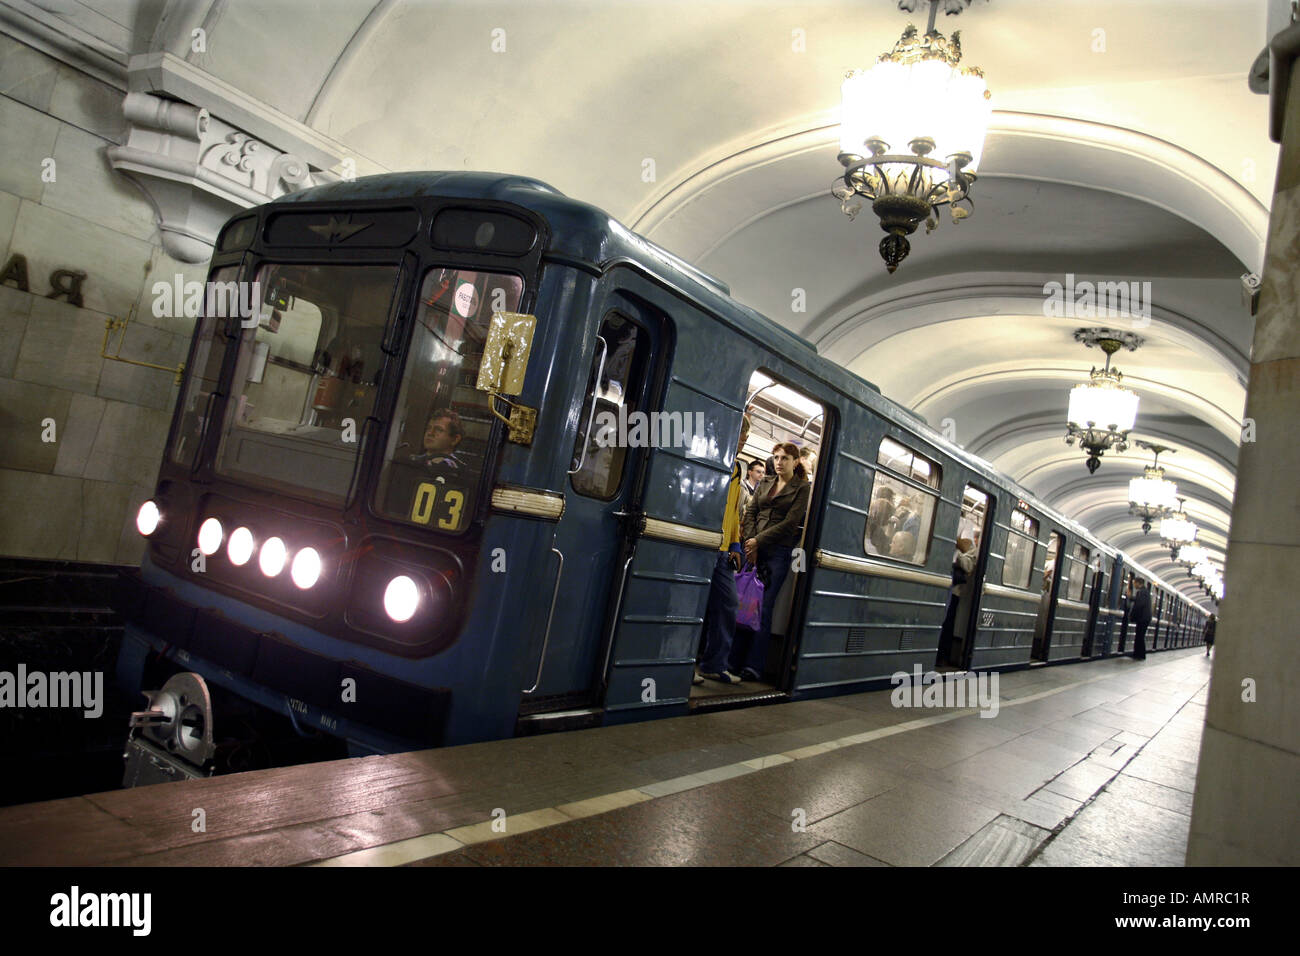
(1189, 556)
(1152, 496)
(1177, 530)
(912, 133)
(1102, 411)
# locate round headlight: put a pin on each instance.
(272, 557)
(210, 535)
(147, 518)
(240, 548)
(401, 598)
(306, 568)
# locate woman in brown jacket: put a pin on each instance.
(772, 527)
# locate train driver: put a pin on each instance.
(442, 435)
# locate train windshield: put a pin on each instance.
(306, 377)
(437, 448)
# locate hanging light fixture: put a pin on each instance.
(1189, 556)
(912, 132)
(1177, 530)
(1152, 496)
(1102, 411)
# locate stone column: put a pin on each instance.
(1248, 782)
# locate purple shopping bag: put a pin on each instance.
(749, 591)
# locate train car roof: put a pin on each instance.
(585, 232)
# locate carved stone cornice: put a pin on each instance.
(199, 170)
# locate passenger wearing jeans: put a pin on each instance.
(772, 528)
(720, 615)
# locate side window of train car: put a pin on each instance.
(617, 373)
(904, 496)
(1022, 540)
(1079, 572)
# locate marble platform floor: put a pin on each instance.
(1091, 764)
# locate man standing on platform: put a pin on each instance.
(720, 616)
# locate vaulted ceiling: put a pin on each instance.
(1125, 146)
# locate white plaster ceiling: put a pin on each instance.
(1146, 161)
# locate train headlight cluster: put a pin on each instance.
(272, 556)
(401, 599)
(148, 518)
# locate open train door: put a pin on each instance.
(977, 508)
(1051, 584)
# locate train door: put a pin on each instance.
(1051, 584)
(1094, 607)
(607, 455)
(973, 529)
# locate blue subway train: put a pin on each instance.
(390, 509)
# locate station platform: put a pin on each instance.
(1088, 764)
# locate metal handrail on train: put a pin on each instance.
(541, 660)
(586, 436)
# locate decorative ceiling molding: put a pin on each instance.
(844, 335)
(1029, 146)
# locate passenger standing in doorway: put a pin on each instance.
(772, 528)
(720, 615)
(1209, 634)
(1141, 615)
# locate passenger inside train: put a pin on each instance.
(783, 435)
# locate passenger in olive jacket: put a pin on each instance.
(772, 528)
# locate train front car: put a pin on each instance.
(319, 541)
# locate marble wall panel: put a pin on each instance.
(61, 346)
(9, 204)
(88, 104)
(42, 515)
(23, 409)
(87, 186)
(115, 263)
(15, 306)
(28, 139)
(78, 435)
(1244, 811)
(129, 443)
(26, 75)
(165, 269)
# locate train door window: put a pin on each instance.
(1078, 573)
(614, 389)
(437, 445)
(1022, 542)
(1050, 562)
(205, 370)
(904, 496)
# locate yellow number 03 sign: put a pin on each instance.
(426, 498)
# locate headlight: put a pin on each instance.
(401, 598)
(240, 548)
(147, 518)
(272, 557)
(306, 568)
(210, 535)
